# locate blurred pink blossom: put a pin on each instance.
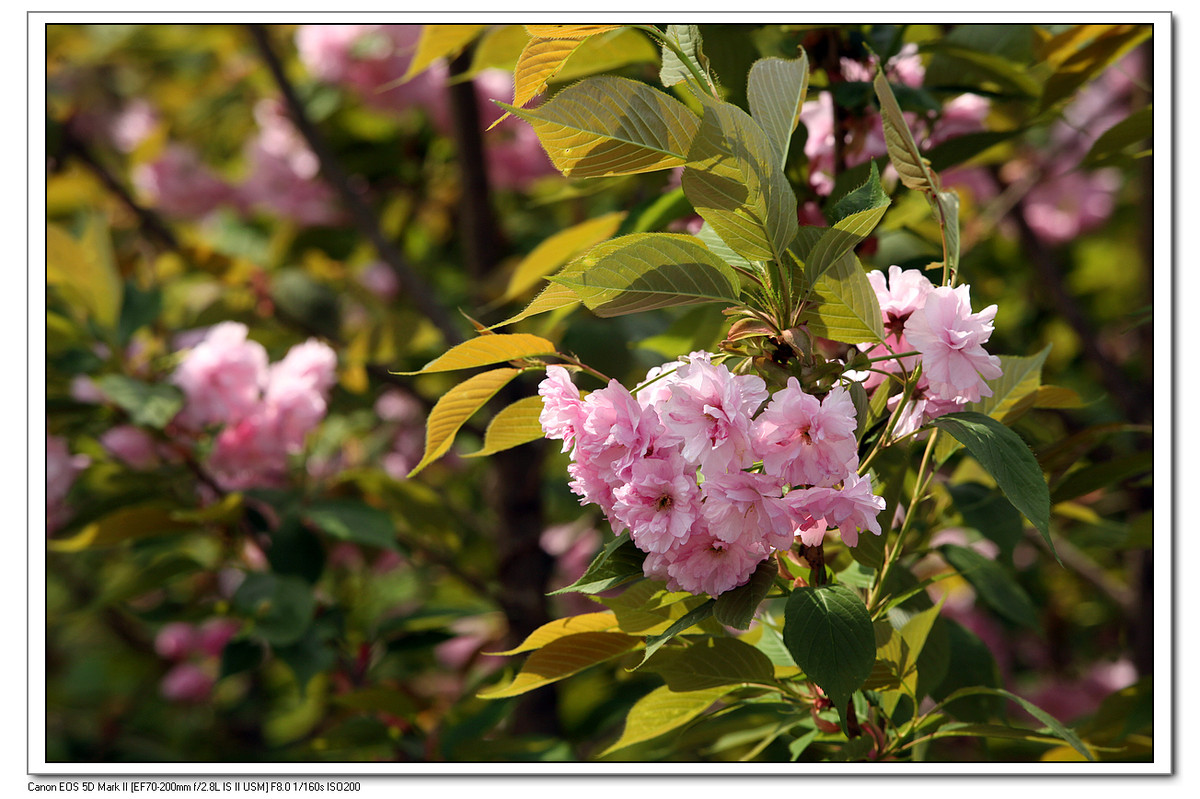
(187, 683)
(179, 185)
(61, 470)
(283, 178)
(1060, 208)
(214, 634)
(132, 445)
(379, 279)
(131, 125)
(221, 377)
(175, 641)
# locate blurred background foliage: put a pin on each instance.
(289, 179)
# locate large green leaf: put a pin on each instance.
(839, 241)
(661, 711)
(560, 628)
(487, 349)
(843, 306)
(619, 562)
(457, 406)
(712, 662)
(1007, 459)
(648, 608)
(722, 250)
(828, 631)
(994, 585)
(644, 271)
(775, 90)
(734, 181)
(612, 126)
(557, 250)
(736, 607)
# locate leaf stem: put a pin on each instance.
(893, 554)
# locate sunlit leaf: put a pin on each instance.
(563, 657)
(612, 126)
(901, 146)
(354, 521)
(558, 249)
(125, 524)
(440, 41)
(661, 711)
(687, 39)
(488, 349)
(644, 271)
(559, 628)
(843, 306)
(711, 662)
(539, 62)
(618, 563)
(647, 608)
(608, 51)
(775, 91)
(1135, 130)
(512, 426)
(735, 183)
(1088, 62)
(83, 272)
(457, 406)
(568, 31)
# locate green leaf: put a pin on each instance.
(843, 306)
(488, 349)
(986, 510)
(1102, 475)
(838, 242)
(901, 146)
(1057, 727)
(457, 406)
(689, 620)
(722, 250)
(606, 52)
(240, 655)
(712, 662)
(295, 550)
(560, 628)
(138, 309)
(1010, 77)
(995, 586)
(1007, 459)
(648, 608)
(870, 195)
(612, 126)
(618, 563)
(280, 607)
(962, 148)
(558, 249)
(644, 271)
(563, 657)
(353, 521)
(735, 183)
(440, 41)
(1089, 62)
(735, 608)
(661, 711)
(83, 270)
(828, 631)
(687, 39)
(775, 90)
(514, 425)
(971, 664)
(138, 521)
(308, 657)
(551, 298)
(1133, 131)
(148, 404)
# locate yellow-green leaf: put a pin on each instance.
(1057, 49)
(901, 146)
(484, 350)
(551, 298)
(558, 249)
(647, 608)
(440, 41)
(83, 272)
(775, 91)
(517, 424)
(121, 525)
(844, 306)
(612, 126)
(567, 31)
(539, 62)
(1086, 64)
(455, 407)
(607, 52)
(499, 48)
(560, 628)
(563, 657)
(663, 710)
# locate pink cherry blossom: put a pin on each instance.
(950, 339)
(214, 634)
(1059, 209)
(179, 185)
(616, 432)
(187, 683)
(704, 564)
(221, 377)
(175, 641)
(297, 391)
(132, 445)
(659, 504)
(746, 508)
(250, 453)
(853, 509)
(806, 441)
(562, 410)
(709, 412)
(283, 178)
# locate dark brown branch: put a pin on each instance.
(364, 219)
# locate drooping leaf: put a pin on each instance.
(843, 306)
(558, 249)
(1058, 48)
(828, 631)
(440, 41)
(563, 657)
(568, 31)
(619, 562)
(1007, 459)
(457, 406)
(735, 183)
(538, 63)
(571, 625)
(512, 426)
(711, 662)
(488, 349)
(644, 271)
(1004, 73)
(994, 585)
(353, 521)
(83, 270)
(148, 404)
(901, 146)
(1102, 475)
(1058, 728)
(735, 608)
(607, 125)
(661, 711)
(775, 91)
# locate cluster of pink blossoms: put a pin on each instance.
(937, 323)
(195, 652)
(266, 410)
(706, 484)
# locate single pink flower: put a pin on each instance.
(709, 412)
(746, 508)
(853, 509)
(806, 441)
(221, 377)
(659, 504)
(562, 410)
(950, 339)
